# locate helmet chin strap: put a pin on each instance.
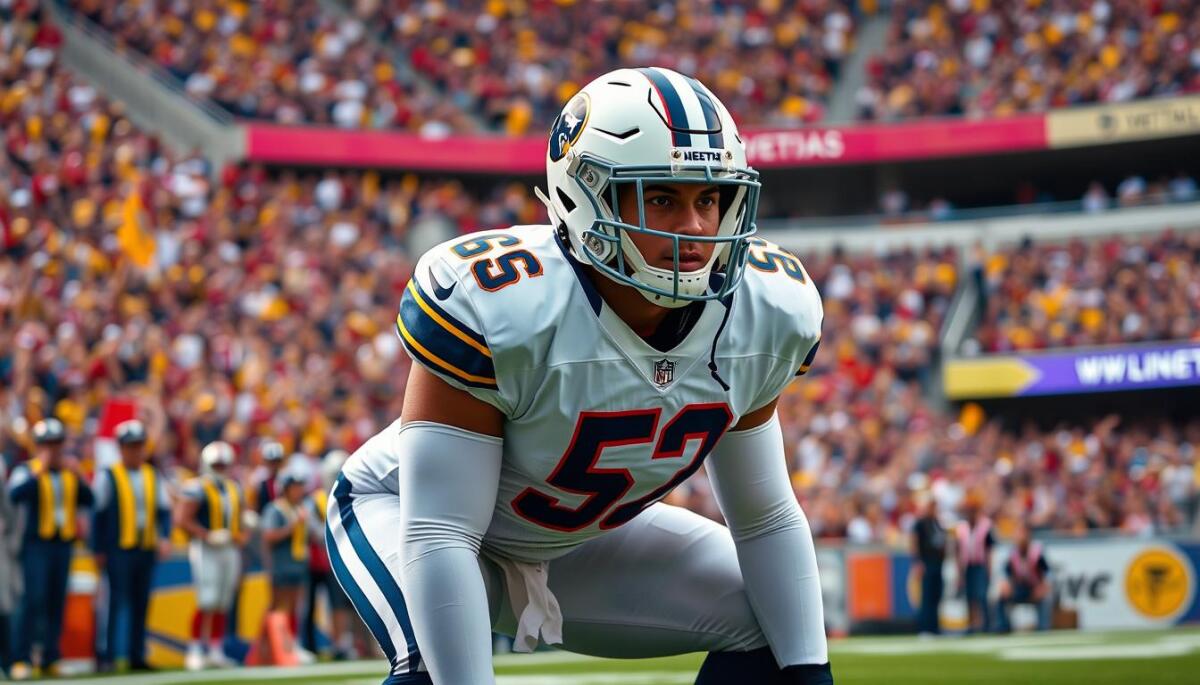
(664, 279)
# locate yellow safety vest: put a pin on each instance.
(127, 515)
(216, 519)
(70, 492)
(322, 500)
(299, 530)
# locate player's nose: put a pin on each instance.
(691, 221)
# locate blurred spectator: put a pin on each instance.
(131, 530)
(10, 570)
(1182, 188)
(929, 554)
(1095, 200)
(1132, 191)
(210, 513)
(287, 529)
(973, 543)
(321, 572)
(49, 491)
(265, 480)
(1026, 581)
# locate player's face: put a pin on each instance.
(686, 209)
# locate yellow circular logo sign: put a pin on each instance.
(1158, 582)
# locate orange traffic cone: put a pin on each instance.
(276, 646)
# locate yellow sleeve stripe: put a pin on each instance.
(436, 316)
(446, 366)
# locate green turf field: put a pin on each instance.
(1137, 658)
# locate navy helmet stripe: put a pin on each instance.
(712, 120)
(675, 111)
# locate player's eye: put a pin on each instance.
(660, 201)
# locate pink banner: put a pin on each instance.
(334, 147)
(526, 155)
(894, 142)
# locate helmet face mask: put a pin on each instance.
(629, 128)
(629, 266)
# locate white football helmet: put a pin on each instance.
(636, 127)
(217, 453)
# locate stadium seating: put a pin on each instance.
(1099, 292)
(958, 57)
(511, 65)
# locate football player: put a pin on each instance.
(568, 377)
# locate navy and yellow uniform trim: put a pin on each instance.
(443, 343)
(808, 360)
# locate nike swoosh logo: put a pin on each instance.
(438, 291)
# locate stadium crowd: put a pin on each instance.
(1099, 292)
(288, 62)
(958, 57)
(440, 67)
(481, 65)
(256, 307)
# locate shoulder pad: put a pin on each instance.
(440, 323)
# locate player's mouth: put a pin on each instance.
(691, 260)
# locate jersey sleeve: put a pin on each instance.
(797, 314)
(442, 330)
(273, 518)
(193, 490)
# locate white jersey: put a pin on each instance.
(598, 423)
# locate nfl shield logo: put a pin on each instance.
(664, 372)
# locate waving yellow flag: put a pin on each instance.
(134, 234)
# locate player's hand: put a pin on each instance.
(219, 538)
(101, 560)
(164, 549)
(241, 539)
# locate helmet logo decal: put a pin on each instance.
(569, 126)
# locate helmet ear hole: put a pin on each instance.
(567, 203)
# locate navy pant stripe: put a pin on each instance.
(359, 600)
(375, 566)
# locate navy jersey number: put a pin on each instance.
(604, 487)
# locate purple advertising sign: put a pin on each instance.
(1120, 369)
(1083, 371)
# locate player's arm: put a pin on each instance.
(185, 518)
(449, 473)
(748, 471)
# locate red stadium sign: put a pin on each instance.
(526, 156)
